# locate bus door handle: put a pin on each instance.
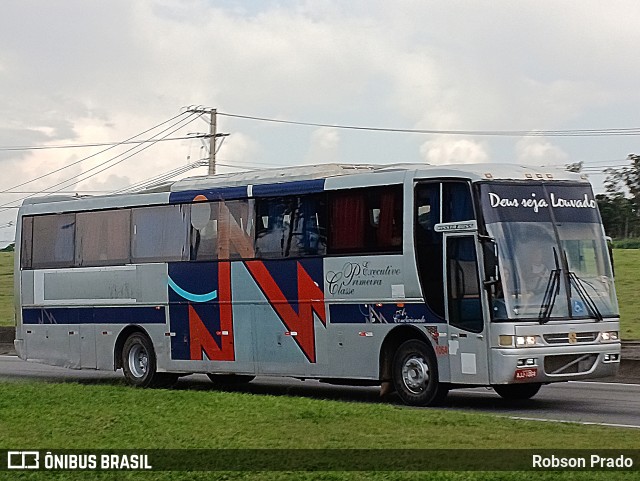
(454, 336)
(480, 336)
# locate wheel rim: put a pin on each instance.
(138, 361)
(415, 374)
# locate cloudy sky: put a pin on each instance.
(75, 72)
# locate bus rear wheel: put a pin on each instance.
(415, 375)
(139, 363)
(517, 391)
(230, 379)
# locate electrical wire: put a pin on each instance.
(495, 133)
(100, 144)
(92, 155)
(180, 124)
(149, 182)
(76, 179)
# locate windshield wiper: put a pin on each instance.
(550, 292)
(584, 295)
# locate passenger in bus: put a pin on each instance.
(538, 271)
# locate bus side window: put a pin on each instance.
(235, 229)
(103, 238)
(204, 231)
(291, 226)
(53, 241)
(26, 249)
(366, 220)
(159, 233)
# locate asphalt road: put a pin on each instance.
(613, 404)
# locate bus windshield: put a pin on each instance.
(552, 254)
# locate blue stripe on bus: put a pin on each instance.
(383, 314)
(222, 193)
(260, 190)
(94, 315)
(289, 188)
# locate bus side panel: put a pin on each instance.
(367, 298)
(209, 333)
(290, 320)
(72, 317)
(263, 317)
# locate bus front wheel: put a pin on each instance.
(139, 363)
(517, 391)
(415, 375)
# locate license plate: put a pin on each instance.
(526, 373)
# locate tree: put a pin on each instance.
(620, 206)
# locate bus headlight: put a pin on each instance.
(522, 341)
(609, 336)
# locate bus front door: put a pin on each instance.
(467, 333)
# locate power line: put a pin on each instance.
(92, 155)
(184, 122)
(77, 178)
(100, 144)
(495, 133)
(150, 182)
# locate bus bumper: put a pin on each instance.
(554, 364)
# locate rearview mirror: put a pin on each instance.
(490, 256)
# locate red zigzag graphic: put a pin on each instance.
(310, 300)
(200, 338)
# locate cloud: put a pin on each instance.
(125, 66)
(447, 150)
(539, 151)
(323, 146)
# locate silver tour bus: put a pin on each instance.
(417, 278)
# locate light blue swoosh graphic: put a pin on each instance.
(190, 296)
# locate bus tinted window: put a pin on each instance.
(160, 233)
(103, 237)
(53, 240)
(222, 230)
(236, 229)
(428, 245)
(204, 231)
(291, 227)
(26, 242)
(366, 220)
(457, 204)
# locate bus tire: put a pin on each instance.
(139, 363)
(230, 379)
(415, 375)
(515, 392)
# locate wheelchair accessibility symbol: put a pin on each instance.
(578, 307)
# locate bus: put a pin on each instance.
(417, 278)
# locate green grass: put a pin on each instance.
(627, 265)
(627, 269)
(6, 289)
(112, 416)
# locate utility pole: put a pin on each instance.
(213, 134)
(212, 141)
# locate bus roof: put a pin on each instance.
(473, 172)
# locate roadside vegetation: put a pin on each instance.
(6, 289)
(113, 416)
